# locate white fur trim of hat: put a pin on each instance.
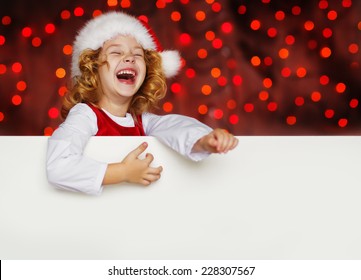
(108, 25)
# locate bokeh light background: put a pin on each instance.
(256, 67)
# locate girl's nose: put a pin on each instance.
(129, 58)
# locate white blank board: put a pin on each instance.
(271, 198)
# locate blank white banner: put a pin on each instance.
(272, 198)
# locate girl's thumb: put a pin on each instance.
(140, 149)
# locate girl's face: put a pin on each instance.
(124, 72)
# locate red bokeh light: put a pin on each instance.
(309, 25)
(36, 42)
(231, 104)
(312, 44)
(65, 14)
(202, 53)
(144, 18)
(190, 73)
(216, 7)
(325, 52)
(242, 9)
(291, 120)
(267, 82)
(53, 113)
(222, 81)
(3, 69)
(346, 3)
(323, 4)
(176, 16)
(227, 27)
(112, 3)
(255, 24)
(324, 80)
(316, 96)
(48, 131)
(50, 28)
(340, 87)
(299, 101)
(342, 122)
(332, 15)
(286, 72)
(233, 119)
(16, 100)
(21, 85)
(168, 107)
(218, 114)
(268, 61)
(280, 15)
(202, 109)
(62, 90)
(78, 11)
(248, 107)
(176, 88)
(6, 20)
(16, 67)
(237, 80)
(353, 103)
(2, 40)
(200, 16)
(263, 95)
(272, 106)
(26, 32)
(185, 39)
(97, 13)
(296, 10)
(290, 39)
(125, 4)
(327, 32)
(329, 113)
(231, 63)
(353, 48)
(272, 32)
(217, 43)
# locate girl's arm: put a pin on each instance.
(67, 167)
(188, 136)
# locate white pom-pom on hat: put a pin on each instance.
(108, 25)
(171, 62)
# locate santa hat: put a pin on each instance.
(108, 25)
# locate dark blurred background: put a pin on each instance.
(256, 67)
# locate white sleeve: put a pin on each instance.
(177, 131)
(67, 167)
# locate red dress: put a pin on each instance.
(107, 127)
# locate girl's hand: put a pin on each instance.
(132, 169)
(138, 170)
(218, 141)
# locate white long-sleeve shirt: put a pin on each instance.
(69, 169)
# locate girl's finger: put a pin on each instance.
(155, 170)
(151, 177)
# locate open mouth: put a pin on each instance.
(126, 75)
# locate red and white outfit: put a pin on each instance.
(69, 169)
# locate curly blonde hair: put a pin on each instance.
(85, 88)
